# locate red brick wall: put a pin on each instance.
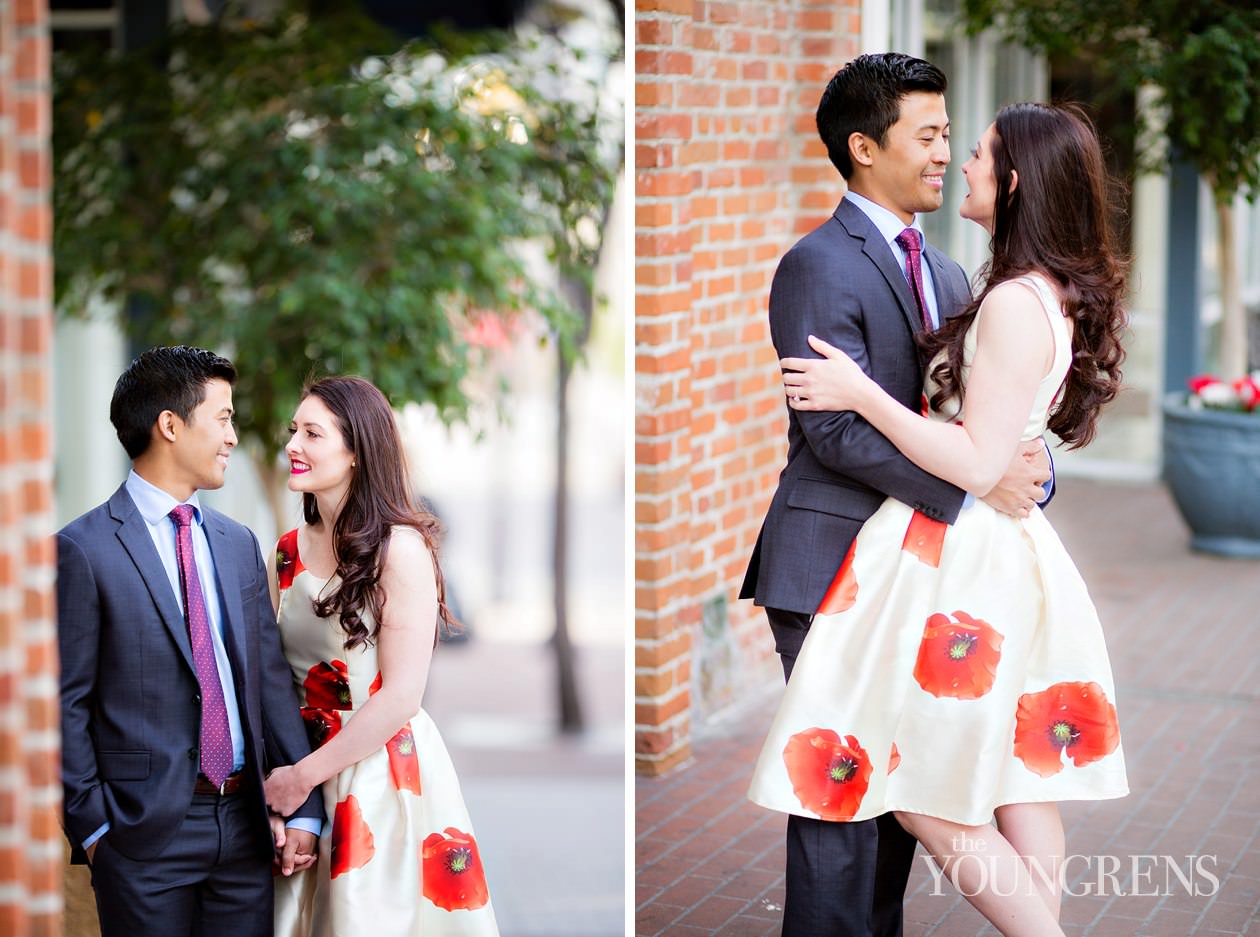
(30, 790)
(729, 173)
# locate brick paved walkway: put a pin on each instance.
(1184, 636)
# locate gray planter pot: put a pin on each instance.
(1212, 467)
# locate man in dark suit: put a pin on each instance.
(175, 696)
(852, 282)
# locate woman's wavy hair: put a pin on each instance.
(379, 497)
(1055, 222)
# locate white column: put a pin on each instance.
(877, 26)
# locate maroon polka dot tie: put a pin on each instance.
(216, 739)
(909, 241)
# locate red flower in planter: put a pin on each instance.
(842, 592)
(451, 872)
(1200, 381)
(404, 764)
(352, 843)
(321, 724)
(829, 775)
(1248, 392)
(327, 686)
(1075, 720)
(288, 563)
(958, 657)
(925, 538)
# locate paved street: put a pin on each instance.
(1184, 637)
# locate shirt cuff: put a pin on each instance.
(87, 843)
(311, 825)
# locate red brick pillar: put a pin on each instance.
(30, 788)
(728, 173)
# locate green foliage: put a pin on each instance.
(306, 198)
(1201, 56)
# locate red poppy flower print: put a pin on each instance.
(321, 724)
(958, 656)
(327, 686)
(925, 538)
(451, 873)
(352, 843)
(376, 685)
(842, 592)
(1075, 720)
(829, 774)
(288, 563)
(894, 759)
(404, 764)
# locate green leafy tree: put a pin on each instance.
(1202, 59)
(308, 198)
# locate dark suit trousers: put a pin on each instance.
(213, 880)
(843, 879)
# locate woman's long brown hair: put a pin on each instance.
(379, 497)
(1055, 222)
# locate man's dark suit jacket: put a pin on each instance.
(130, 703)
(843, 284)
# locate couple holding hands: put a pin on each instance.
(244, 751)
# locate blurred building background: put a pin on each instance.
(729, 173)
(548, 804)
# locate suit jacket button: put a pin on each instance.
(192, 754)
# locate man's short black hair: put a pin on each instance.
(165, 378)
(865, 97)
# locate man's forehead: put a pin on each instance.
(218, 393)
(923, 110)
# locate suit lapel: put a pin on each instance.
(880, 254)
(133, 532)
(947, 302)
(229, 592)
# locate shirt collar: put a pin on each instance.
(889, 225)
(155, 504)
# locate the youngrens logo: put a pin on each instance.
(1142, 875)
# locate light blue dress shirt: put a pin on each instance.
(155, 506)
(890, 226)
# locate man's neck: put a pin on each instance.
(857, 187)
(157, 476)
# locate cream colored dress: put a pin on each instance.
(950, 669)
(397, 857)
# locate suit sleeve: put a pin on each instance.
(284, 737)
(78, 641)
(802, 303)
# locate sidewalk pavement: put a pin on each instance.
(1183, 632)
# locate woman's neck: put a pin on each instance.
(329, 504)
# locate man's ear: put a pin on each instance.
(166, 425)
(861, 149)
(1014, 182)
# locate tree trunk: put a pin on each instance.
(272, 477)
(566, 677)
(1233, 347)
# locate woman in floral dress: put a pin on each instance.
(957, 676)
(359, 596)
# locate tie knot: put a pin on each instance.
(182, 515)
(909, 240)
